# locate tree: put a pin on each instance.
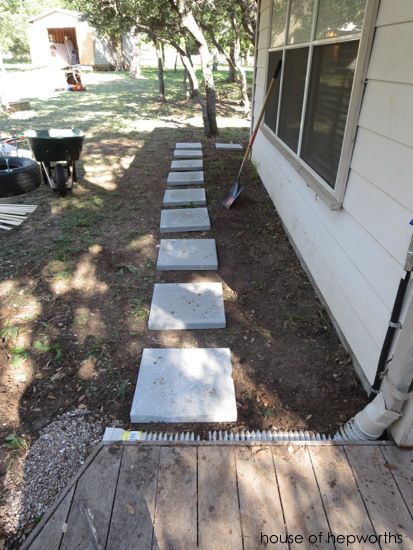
(222, 22)
(188, 21)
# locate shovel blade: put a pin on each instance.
(234, 193)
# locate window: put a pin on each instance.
(319, 43)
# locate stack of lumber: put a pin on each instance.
(12, 215)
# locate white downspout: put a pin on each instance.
(387, 406)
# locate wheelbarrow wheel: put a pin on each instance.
(61, 180)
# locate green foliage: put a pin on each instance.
(44, 347)
(14, 441)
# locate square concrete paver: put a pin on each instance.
(187, 165)
(184, 197)
(188, 154)
(185, 254)
(185, 219)
(185, 178)
(193, 145)
(185, 385)
(180, 306)
(228, 146)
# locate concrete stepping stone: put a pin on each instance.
(185, 219)
(185, 385)
(187, 254)
(187, 165)
(185, 178)
(193, 145)
(188, 153)
(228, 146)
(184, 197)
(181, 306)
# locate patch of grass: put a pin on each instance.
(45, 347)
(148, 264)
(18, 356)
(121, 390)
(9, 333)
(257, 285)
(138, 309)
(15, 442)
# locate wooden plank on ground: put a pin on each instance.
(89, 516)
(400, 463)
(176, 500)
(260, 505)
(342, 501)
(134, 504)
(218, 510)
(303, 508)
(381, 496)
(51, 534)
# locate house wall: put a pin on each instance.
(356, 254)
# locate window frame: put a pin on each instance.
(333, 197)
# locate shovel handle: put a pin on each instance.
(266, 100)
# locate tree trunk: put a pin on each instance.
(232, 70)
(163, 53)
(240, 68)
(209, 105)
(188, 69)
(135, 66)
(117, 52)
(215, 61)
(193, 80)
(161, 80)
(232, 65)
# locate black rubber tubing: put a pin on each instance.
(391, 330)
(24, 176)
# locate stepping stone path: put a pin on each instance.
(185, 178)
(180, 306)
(187, 165)
(185, 219)
(228, 146)
(187, 154)
(184, 197)
(187, 254)
(186, 385)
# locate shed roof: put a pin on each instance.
(71, 13)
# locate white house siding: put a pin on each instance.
(356, 254)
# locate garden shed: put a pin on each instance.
(335, 154)
(59, 36)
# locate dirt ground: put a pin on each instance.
(77, 278)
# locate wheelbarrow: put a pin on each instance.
(57, 152)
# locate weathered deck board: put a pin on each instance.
(134, 502)
(52, 534)
(400, 463)
(176, 500)
(302, 504)
(219, 518)
(383, 501)
(342, 501)
(158, 496)
(260, 505)
(89, 517)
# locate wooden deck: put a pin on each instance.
(186, 496)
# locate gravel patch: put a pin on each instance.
(44, 470)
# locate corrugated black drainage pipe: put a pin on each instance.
(394, 323)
